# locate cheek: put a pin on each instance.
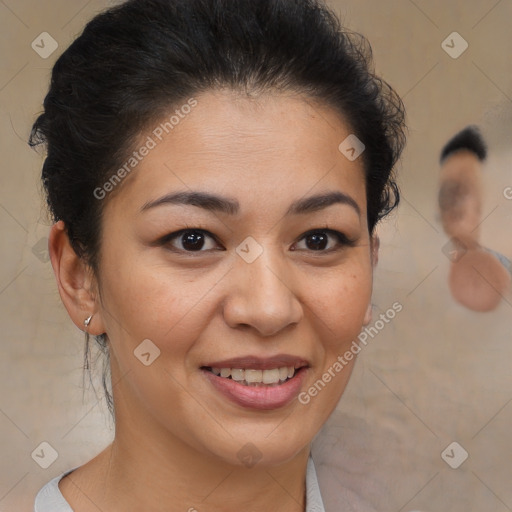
(342, 302)
(144, 301)
(340, 308)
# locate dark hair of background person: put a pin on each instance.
(135, 62)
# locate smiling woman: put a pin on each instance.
(225, 274)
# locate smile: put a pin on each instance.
(255, 383)
(253, 377)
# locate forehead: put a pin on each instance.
(272, 146)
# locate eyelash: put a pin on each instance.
(343, 240)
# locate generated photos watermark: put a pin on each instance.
(343, 360)
(157, 135)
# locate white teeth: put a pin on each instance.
(237, 374)
(254, 376)
(271, 376)
(250, 376)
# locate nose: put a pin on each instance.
(261, 295)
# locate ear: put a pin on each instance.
(75, 280)
(374, 253)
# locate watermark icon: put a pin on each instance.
(352, 148)
(45, 455)
(343, 360)
(40, 250)
(454, 45)
(249, 250)
(454, 250)
(44, 45)
(507, 193)
(249, 455)
(454, 455)
(146, 352)
(157, 135)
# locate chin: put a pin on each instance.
(262, 449)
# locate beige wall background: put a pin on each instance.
(436, 374)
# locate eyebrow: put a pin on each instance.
(215, 203)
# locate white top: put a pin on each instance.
(50, 499)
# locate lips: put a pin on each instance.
(258, 383)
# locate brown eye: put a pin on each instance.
(319, 240)
(190, 240)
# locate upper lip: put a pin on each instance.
(259, 363)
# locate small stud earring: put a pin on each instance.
(87, 321)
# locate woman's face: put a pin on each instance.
(243, 287)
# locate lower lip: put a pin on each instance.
(262, 397)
